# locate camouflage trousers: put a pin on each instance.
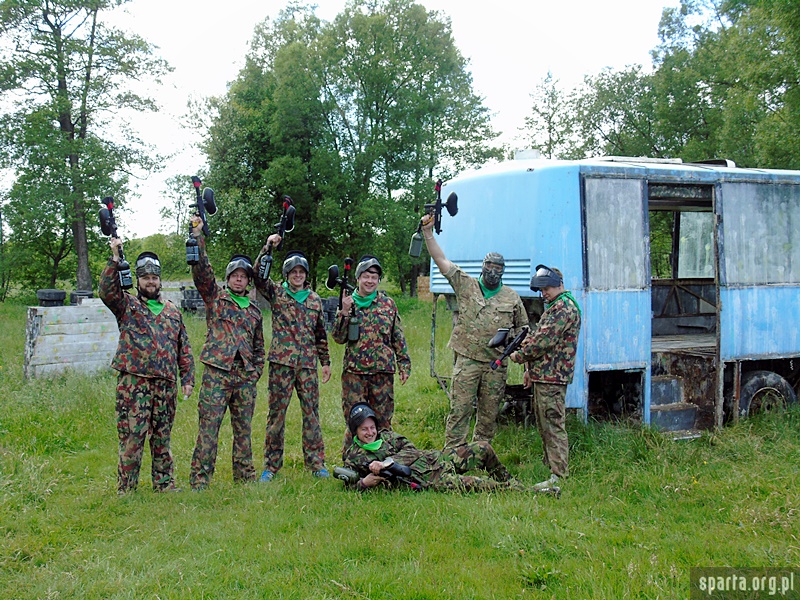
(377, 390)
(282, 381)
(549, 410)
(469, 457)
(144, 405)
(473, 380)
(233, 390)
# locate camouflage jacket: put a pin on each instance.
(479, 318)
(551, 347)
(231, 330)
(298, 330)
(149, 345)
(380, 339)
(426, 465)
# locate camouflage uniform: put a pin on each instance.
(478, 320)
(298, 339)
(550, 352)
(369, 363)
(150, 347)
(233, 355)
(435, 470)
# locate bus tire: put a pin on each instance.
(764, 391)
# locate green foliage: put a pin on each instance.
(638, 511)
(68, 77)
(351, 119)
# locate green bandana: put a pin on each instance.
(371, 447)
(242, 301)
(155, 306)
(300, 296)
(364, 301)
(487, 293)
(566, 296)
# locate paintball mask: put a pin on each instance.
(358, 414)
(545, 277)
(294, 259)
(239, 261)
(490, 273)
(368, 262)
(147, 263)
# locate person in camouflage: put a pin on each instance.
(484, 306)
(152, 344)
(549, 351)
(369, 361)
(233, 355)
(430, 469)
(298, 340)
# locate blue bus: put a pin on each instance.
(688, 275)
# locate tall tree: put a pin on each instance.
(68, 77)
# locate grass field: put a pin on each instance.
(638, 512)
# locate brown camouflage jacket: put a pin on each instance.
(550, 348)
(425, 465)
(480, 318)
(149, 345)
(380, 339)
(231, 330)
(298, 330)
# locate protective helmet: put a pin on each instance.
(147, 263)
(358, 414)
(367, 262)
(294, 259)
(545, 277)
(239, 261)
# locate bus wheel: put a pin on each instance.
(764, 391)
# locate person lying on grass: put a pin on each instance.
(373, 454)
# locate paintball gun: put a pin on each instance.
(331, 283)
(500, 339)
(391, 471)
(205, 205)
(283, 226)
(434, 209)
(109, 227)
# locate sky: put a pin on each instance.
(511, 46)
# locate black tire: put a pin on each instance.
(764, 391)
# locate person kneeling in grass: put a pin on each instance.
(372, 451)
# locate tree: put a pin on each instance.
(68, 77)
(550, 126)
(178, 212)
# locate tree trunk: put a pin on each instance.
(83, 275)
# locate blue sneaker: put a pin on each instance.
(266, 476)
(322, 473)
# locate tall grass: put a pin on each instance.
(637, 513)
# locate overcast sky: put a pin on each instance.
(511, 45)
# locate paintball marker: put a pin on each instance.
(283, 226)
(109, 227)
(500, 339)
(434, 209)
(391, 471)
(205, 205)
(334, 280)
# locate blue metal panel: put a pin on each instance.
(529, 212)
(616, 329)
(759, 322)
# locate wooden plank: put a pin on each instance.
(57, 368)
(91, 313)
(73, 353)
(93, 328)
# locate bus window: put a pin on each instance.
(696, 247)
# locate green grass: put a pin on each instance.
(638, 512)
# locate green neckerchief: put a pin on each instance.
(567, 296)
(242, 301)
(300, 296)
(487, 293)
(364, 301)
(155, 306)
(371, 447)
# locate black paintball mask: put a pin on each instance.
(494, 265)
(147, 263)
